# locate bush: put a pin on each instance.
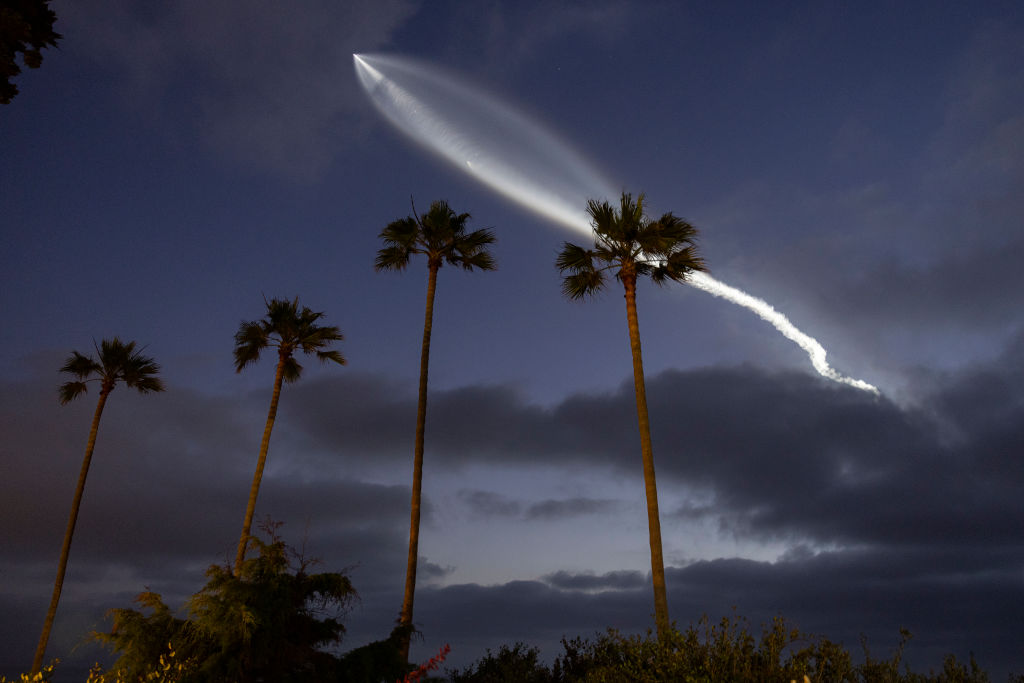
(708, 653)
(268, 623)
(705, 653)
(516, 664)
(45, 674)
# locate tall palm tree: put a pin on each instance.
(629, 244)
(440, 235)
(289, 330)
(116, 361)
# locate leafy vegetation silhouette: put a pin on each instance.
(709, 653)
(630, 245)
(268, 622)
(440, 235)
(115, 361)
(26, 27)
(288, 329)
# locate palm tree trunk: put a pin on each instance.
(405, 619)
(243, 542)
(62, 565)
(653, 518)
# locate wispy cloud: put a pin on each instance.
(271, 87)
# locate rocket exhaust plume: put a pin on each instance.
(519, 159)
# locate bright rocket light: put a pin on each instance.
(484, 137)
(519, 159)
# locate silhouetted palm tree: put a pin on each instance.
(440, 235)
(630, 245)
(289, 330)
(116, 362)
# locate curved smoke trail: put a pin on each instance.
(522, 161)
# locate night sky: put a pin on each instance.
(858, 166)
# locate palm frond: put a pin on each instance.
(574, 258)
(470, 250)
(114, 351)
(583, 284)
(250, 340)
(581, 276)
(392, 258)
(140, 373)
(602, 216)
(282, 317)
(472, 242)
(292, 370)
(400, 242)
(333, 355)
(146, 385)
(81, 366)
(666, 235)
(69, 391)
(315, 337)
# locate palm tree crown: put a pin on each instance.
(116, 362)
(630, 244)
(290, 330)
(441, 235)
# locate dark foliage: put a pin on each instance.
(380, 660)
(516, 664)
(708, 653)
(26, 27)
(267, 624)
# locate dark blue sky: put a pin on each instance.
(858, 167)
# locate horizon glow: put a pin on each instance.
(521, 160)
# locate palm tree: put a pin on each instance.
(440, 234)
(629, 244)
(116, 362)
(289, 330)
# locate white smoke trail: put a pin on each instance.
(519, 159)
(780, 322)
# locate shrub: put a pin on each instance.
(268, 623)
(516, 664)
(708, 653)
(45, 674)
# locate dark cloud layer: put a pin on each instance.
(919, 503)
(779, 454)
(840, 595)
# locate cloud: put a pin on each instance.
(617, 580)
(431, 571)
(509, 35)
(770, 455)
(488, 504)
(573, 507)
(263, 84)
